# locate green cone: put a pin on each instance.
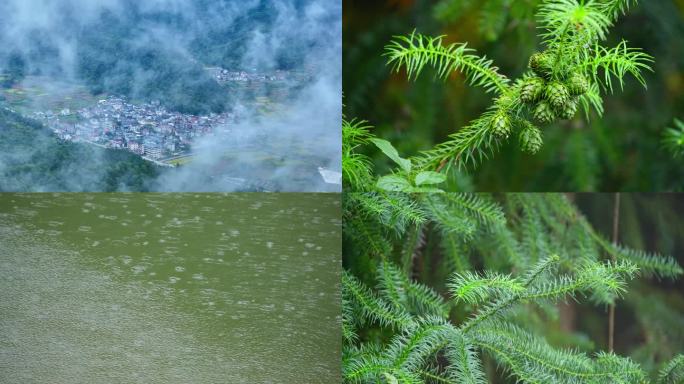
(569, 109)
(504, 100)
(532, 89)
(501, 124)
(544, 113)
(557, 94)
(577, 84)
(530, 138)
(541, 64)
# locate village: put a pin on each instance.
(222, 75)
(161, 136)
(148, 129)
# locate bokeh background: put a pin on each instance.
(649, 321)
(621, 151)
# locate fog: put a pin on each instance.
(63, 40)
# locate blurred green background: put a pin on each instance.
(621, 151)
(648, 321)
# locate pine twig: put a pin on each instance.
(611, 315)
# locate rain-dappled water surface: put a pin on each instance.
(170, 288)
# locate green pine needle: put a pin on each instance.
(673, 139)
(415, 51)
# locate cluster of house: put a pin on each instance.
(224, 76)
(147, 129)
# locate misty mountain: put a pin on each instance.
(113, 65)
(34, 159)
(145, 52)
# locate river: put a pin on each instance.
(170, 288)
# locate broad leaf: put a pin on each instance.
(430, 177)
(426, 190)
(387, 148)
(394, 183)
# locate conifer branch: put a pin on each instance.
(401, 330)
(370, 234)
(414, 241)
(605, 281)
(394, 210)
(471, 145)
(562, 17)
(455, 252)
(532, 360)
(616, 232)
(355, 167)
(448, 220)
(408, 295)
(616, 63)
(673, 139)
(410, 350)
(673, 372)
(497, 307)
(372, 307)
(568, 74)
(465, 365)
(476, 288)
(487, 212)
(648, 263)
(540, 268)
(415, 51)
(614, 8)
(348, 328)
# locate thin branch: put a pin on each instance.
(611, 315)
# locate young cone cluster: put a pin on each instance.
(572, 70)
(552, 98)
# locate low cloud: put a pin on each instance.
(299, 137)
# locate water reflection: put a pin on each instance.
(195, 288)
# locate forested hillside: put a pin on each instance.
(33, 159)
(154, 53)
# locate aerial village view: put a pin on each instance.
(147, 129)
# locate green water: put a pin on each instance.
(170, 288)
